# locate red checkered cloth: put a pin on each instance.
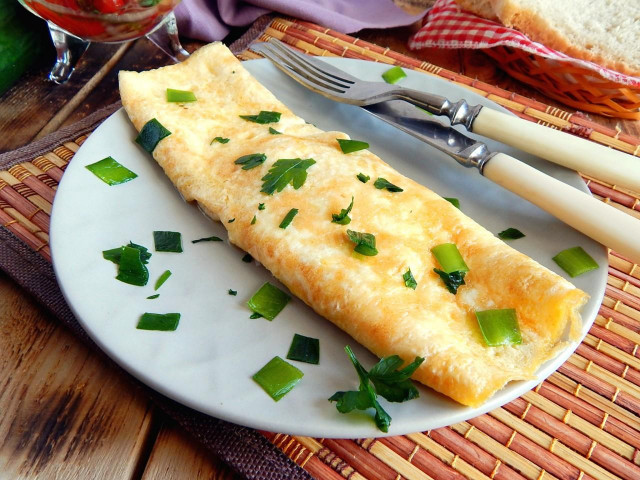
(448, 26)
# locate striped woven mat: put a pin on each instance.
(581, 423)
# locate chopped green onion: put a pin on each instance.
(365, 243)
(278, 377)
(153, 297)
(409, 281)
(111, 172)
(163, 278)
(381, 183)
(263, 117)
(510, 234)
(251, 161)
(232, 292)
(113, 255)
(363, 178)
(261, 206)
(304, 349)
(343, 218)
(349, 146)
(159, 321)
(253, 220)
(575, 261)
(207, 239)
(220, 140)
(268, 301)
(449, 258)
(393, 75)
(499, 327)
(131, 270)
(231, 220)
(288, 218)
(451, 280)
(247, 258)
(453, 201)
(273, 131)
(255, 315)
(151, 134)
(284, 172)
(180, 96)
(167, 241)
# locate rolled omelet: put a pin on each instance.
(363, 295)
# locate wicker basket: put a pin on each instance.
(577, 87)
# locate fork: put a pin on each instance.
(556, 146)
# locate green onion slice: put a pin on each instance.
(575, 261)
(365, 243)
(180, 96)
(247, 258)
(251, 161)
(163, 278)
(409, 281)
(111, 172)
(382, 183)
(343, 218)
(220, 140)
(232, 292)
(159, 321)
(263, 117)
(268, 301)
(153, 297)
(207, 239)
(167, 241)
(363, 178)
(131, 270)
(349, 146)
(151, 134)
(273, 131)
(393, 75)
(499, 327)
(453, 201)
(288, 218)
(510, 234)
(278, 377)
(449, 258)
(304, 349)
(113, 255)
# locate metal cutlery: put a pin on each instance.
(559, 147)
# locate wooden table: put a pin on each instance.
(63, 413)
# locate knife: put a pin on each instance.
(596, 219)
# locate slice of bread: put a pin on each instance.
(482, 8)
(602, 31)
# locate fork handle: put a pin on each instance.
(594, 218)
(559, 147)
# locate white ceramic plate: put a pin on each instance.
(208, 362)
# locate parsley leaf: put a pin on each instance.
(349, 146)
(220, 140)
(253, 220)
(263, 117)
(251, 161)
(453, 201)
(363, 178)
(288, 218)
(382, 183)
(365, 243)
(232, 292)
(409, 281)
(247, 258)
(451, 280)
(510, 234)
(273, 131)
(261, 206)
(343, 218)
(284, 172)
(207, 239)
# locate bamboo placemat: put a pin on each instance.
(581, 423)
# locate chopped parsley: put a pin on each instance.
(251, 161)
(167, 241)
(453, 201)
(261, 206)
(451, 280)
(253, 220)
(453, 266)
(349, 146)
(255, 315)
(247, 258)
(363, 178)
(268, 301)
(288, 218)
(343, 218)
(220, 140)
(382, 183)
(163, 278)
(409, 281)
(273, 131)
(151, 134)
(510, 234)
(111, 172)
(153, 297)
(232, 292)
(231, 220)
(365, 243)
(284, 172)
(263, 117)
(159, 321)
(207, 239)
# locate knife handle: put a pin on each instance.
(559, 147)
(594, 218)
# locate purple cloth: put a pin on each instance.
(211, 20)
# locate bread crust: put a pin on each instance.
(481, 8)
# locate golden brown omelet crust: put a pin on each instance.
(365, 296)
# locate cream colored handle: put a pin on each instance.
(594, 218)
(559, 147)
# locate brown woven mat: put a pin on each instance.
(581, 423)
